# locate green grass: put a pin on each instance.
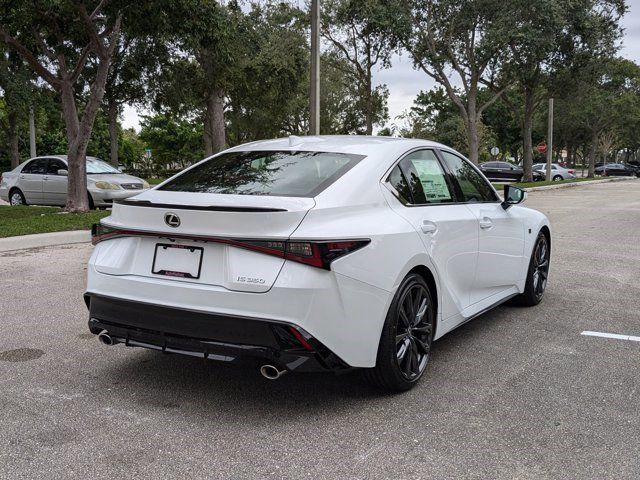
(25, 220)
(155, 180)
(499, 186)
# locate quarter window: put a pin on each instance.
(473, 187)
(400, 185)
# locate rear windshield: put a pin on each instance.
(287, 174)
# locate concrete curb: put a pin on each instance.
(578, 184)
(44, 240)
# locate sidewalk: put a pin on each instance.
(44, 240)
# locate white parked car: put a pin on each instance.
(557, 172)
(43, 181)
(315, 253)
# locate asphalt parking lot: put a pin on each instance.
(517, 393)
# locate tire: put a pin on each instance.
(91, 204)
(537, 274)
(407, 334)
(557, 178)
(16, 197)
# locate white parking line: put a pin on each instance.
(615, 336)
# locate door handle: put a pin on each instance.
(45, 178)
(428, 227)
(486, 223)
(22, 176)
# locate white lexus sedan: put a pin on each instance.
(315, 253)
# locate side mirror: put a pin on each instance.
(513, 196)
(63, 172)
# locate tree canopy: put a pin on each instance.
(208, 75)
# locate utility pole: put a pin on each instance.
(314, 94)
(32, 133)
(550, 139)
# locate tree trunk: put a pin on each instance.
(527, 132)
(113, 132)
(471, 124)
(208, 136)
(217, 124)
(78, 134)
(14, 138)
(214, 127)
(593, 153)
(368, 105)
(472, 137)
(77, 195)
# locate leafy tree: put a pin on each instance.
(341, 104)
(434, 116)
(358, 33)
(208, 39)
(133, 57)
(552, 34)
(268, 97)
(463, 37)
(17, 88)
(130, 147)
(57, 39)
(175, 143)
(604, 93)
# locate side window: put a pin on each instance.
(38, 167)
(427, 180)
(473, 187)
(401, 186)
(55, 165)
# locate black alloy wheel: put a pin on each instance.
(541, 266)
(413, 331)
(538, 273)
(405, 345)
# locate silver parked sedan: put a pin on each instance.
(558, 172)
(43, 181)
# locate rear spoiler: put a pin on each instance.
(208, 208)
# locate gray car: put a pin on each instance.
(43, 181)
(557, 172)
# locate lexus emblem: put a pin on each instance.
(172, 220)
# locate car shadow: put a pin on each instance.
(227, 392)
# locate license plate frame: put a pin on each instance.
(166, 269)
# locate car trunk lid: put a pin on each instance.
(206, 229)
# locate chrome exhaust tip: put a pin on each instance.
(271, 373)
(105, 338)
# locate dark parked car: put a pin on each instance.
(617, 170)
(501, 171)
(506, 172)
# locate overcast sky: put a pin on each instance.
(404, 82)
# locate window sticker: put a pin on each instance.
(432, 180)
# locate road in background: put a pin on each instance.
(516, 393)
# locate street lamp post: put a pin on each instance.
(550, 139)
(314, 94)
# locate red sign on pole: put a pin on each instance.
(542, 147)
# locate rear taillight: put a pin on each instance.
(315, 253)
(572, 172)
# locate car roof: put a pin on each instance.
(59, 157)
(360, 144)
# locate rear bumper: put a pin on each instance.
(210, 336)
